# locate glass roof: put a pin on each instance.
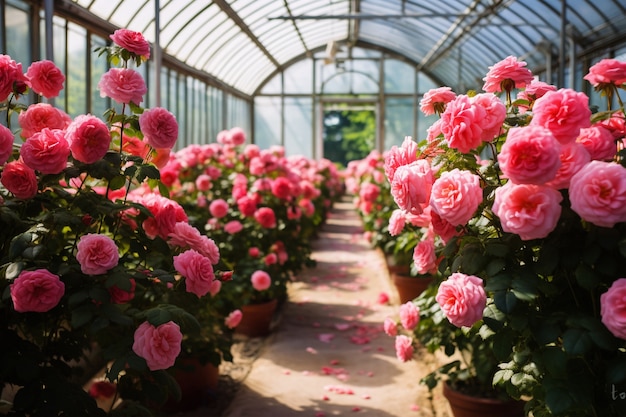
(244, 42)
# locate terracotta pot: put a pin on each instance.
(463, 405)
(409, 287)
(196, 381)
(256, 319)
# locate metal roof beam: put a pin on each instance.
(360, 16)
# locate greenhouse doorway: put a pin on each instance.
(349, 131)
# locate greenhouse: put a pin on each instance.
(313, 207)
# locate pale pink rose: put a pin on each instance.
(96, 254)
(10, 75)
(132, 41)
(495, 113)
(607, 71)
(369, 192)
(435, 100)
(530, 155)
(233, 319)
(419, 220)
(265, 217)
(123, 85)
(528, 210)
(218, 208)
(45, 78)
(281, 188)
(185, 235)
(37, 291)
(443, 228)
(409, 315)
(573, 157)
(411, 186)
(89, 138)
(159, 346)
(613, 308)
(433, 132)
(19, 179)
(456, 195)
(398, 156)
(120, 296)
(46, 151)
(404, 348)
(462, 299)
(203, 182)
(598, 193)
(197, 271)
(396, 222)
(261, 280)
(41, 115)
(390, 327)
(424, 256)
(216, 286)
(461, 124)
(506, 75)
(209, 248)
(599, 142)
(233, 226)
(535, 90)
(564, 112)
(159, 128)
(6, 144)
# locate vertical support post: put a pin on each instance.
(157, 51)
(561, 78)
(49, 12)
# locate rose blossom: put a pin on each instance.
(45, 78)
(89, 138)
(265, 217)
(46, 151)
(6, 144)
(261, 280)
(96, 254)
(599, 142)
(281, 188)
(41, 115)
(270, 259)
(443, 228)
(19, 179)
(233, 226)
(390, 327)
(159, 346)
(102, 390)
(123, 85)
(435, 100)
(216, 286)
(411, 186)
(10, 74)
(409, 315)
(396, 222)
(456, 195)
(218, 208)
(233, 319)
(530, 155)
(564, 112)
(120, 296)
(535, 90)
(607, 71)
(424, 256)
(495, 113)
(396, 157)
(506, 74)
(528, 210)
(159, 127)
(598, 193)
(613, 308)
(132, 41)
(461, 124)
(404, 348)
(573, 157)
(165, 214)
(37, 291)
(369, 192)
(246, 205)
(462, 299)
(197, 270)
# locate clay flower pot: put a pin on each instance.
(196, 381)
(463, 405)
(409, 287)
(256, 319)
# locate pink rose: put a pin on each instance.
(233, 226)
(237, 136)
(607, 71)
(599, 142)
(270, 259)
(409, 315)
(123, 85)
(45, 78)
(535, 90)
(216, 286)
(495, 113)
(46, 151)
(396, 157)
(281, 188)
(120, 296)
(573, 157)
(616, 125)
(411, 186)
(456, 195)
(598, 193)
(424, 256)
(96, 254)
(10, 75)
(390, 327)
(396, 222)
(185, 235)
(233, 319)
(6, 144)
(261, 280)
(159, 346)
(528, 210)
(203, 182)
(462, 299)
(443, 228)
(19, 179)
(307, 206)
(265, 217)
(461, 124)
(165, 214)
(435, 100)
(38, 291)
(89, 138)
(246, 205)
(613, 308)
(254, 252)
(433, 132)
(132, 41)
(369, 192)
(197, 270)
(564, 112)
(41, 115)
(159, 128)
(404, 348)
(530, 155)
(506, 75)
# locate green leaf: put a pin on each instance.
(502, 376)
(554, 360)
(524, 288)
(148, 171)
(117, 182)
(505, 301)
(586, 277)
(82, 315)
(577, 341)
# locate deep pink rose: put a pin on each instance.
(10, 75)
(535, 90)
(456, 195)
(530, 155)
(462, 299)
(396, 222)
(38, 291)
(461, 124)
(96, 254)
(495, 113)
(564, 112)
(6, 144)
(46, 151)
(607, 71)
(424, 256)
(398, 156)
(307, 206)
(237, 136)
(233, 226)
(197, 270)
(89, 138)
(598, 193)
(41, 115)
(599, 142)
(435, 100)
(390, 327)
(270, 259)
(573, 157)
(261, 280)
(165, 214)
(411, 186)
(404, 348)
(246, 205)
(613, 308)
(159, 128)
(506, 75)
(616, 125)
(218, 208)
(123, 85)
(233, 319)
(265, 217)
(45, 78)
(132, 41)
(443, 228)
(528, 210)
(159, 346)
(281, 188)
(19, 179)
(120, 296)
(409, 315)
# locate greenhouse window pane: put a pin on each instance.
(399, 77)
(299, 78)
(274, 85)
(399, 118)
(299, 126)
(98, 67)
(76, 71)
(267, 121)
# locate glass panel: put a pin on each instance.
(398, 121)
(425, 83)
(75, 82)
(299, 126)
(216, 102)
(274, 85)
(182, 110)
(18, 35)
(267, 121)
(350, 83)
(99, 66)
(399, 77)
(299, 78)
